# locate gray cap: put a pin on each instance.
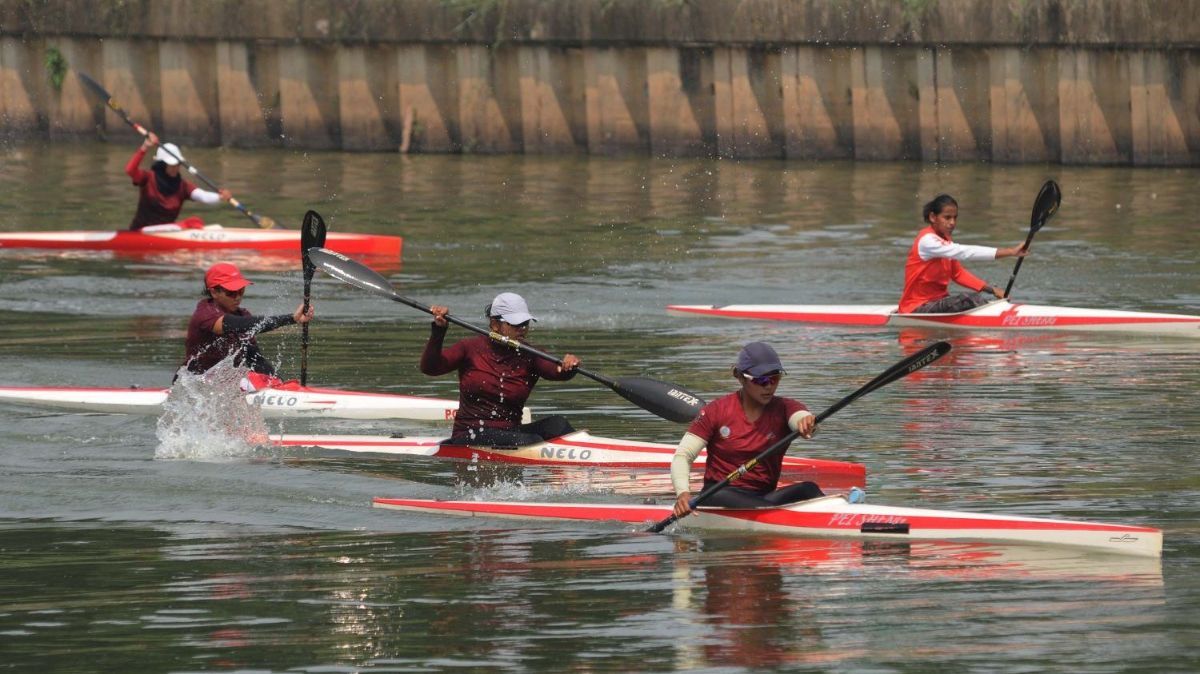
(757, 359)
(510, 308)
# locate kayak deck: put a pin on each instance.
(828, 517)
(288, 400)
(998, 315)
(211, 237)
(577, 449)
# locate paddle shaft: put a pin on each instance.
(897, 371)
(1017, 267)
(308, 276)
(259, 220)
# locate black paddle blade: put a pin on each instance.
(312, 235)
(94, 86)
(349, 271)
(660, 398)
(1045, 205)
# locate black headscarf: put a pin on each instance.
(167, 185)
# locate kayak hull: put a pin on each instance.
(210, 238)
(289, 400)
(829, 517)
(998, 315)
(577, 449)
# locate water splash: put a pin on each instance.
(206, 417)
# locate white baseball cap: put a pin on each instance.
(510, 308)
(169, 154)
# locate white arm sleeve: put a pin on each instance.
(681, 464)
(205, 197)
(794, 420)
(931, 246)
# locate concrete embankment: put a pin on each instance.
(1071, 81)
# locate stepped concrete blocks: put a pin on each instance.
(429, 88)
(617, 107)
(129, 72)
(308, 107)
(1094, 110)
(363, 96)
(817, 114)
(954, 106)
(246, 80)
(749, 102)
(489, 99)
(885, 94)
(552, 104)
(1089, 99)
(1166, 130)
(680, 104)
(188, 85)
(20, 107)
(1023, 97)
(71, 109)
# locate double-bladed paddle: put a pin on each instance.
(661, 398)
(898, 371)
(312, 235)
(260, 220)
(1044, 206)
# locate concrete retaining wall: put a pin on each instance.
(1072, 81)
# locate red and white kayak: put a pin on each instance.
(578, 448)
(209, 238)
(828, 517)
(285, 400)
(998, 315)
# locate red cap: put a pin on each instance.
(226, 275)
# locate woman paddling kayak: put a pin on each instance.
(735, 429)
(220, 327)
(934, 260)
(494, 379)
(161, 190)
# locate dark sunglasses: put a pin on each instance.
(519, 326)
(764, 380)
(231, 293)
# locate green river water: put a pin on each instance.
(119, 554)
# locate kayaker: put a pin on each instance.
(495, 380)
(735, 428)
(935, 260)
(161, 190)
(220, 327)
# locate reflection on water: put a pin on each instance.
(278, 563)
(511, 599)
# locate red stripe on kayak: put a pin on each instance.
(598, 513)
(130, 241)
(1046, 321)
(815, 317)
(854, 521)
